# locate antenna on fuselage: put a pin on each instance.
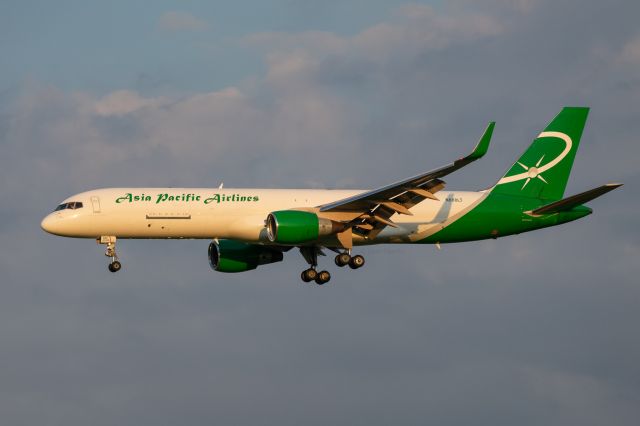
(221, 185)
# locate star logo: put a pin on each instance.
(535, 172)
(532, 172)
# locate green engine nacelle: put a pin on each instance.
(296, 227)
(235, 256)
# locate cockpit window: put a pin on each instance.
(73, 205)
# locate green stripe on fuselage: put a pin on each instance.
(499, 215)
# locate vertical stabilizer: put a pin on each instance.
(543, 170)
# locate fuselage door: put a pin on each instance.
(95, 203)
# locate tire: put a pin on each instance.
(115, 266)
(309, 275)
(323, 277)
(356, 262)
(342, 259)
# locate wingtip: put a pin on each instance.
(483, 144)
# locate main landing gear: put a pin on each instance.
(310, 254)
(110, 242)
(311, 274)
(344, 259)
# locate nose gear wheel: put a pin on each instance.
(110, 242)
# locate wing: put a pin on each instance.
(377, 206)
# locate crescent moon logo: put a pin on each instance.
(536, 171)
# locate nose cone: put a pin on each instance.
(51, 224)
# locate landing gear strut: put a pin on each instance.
(110, 242)
(310, 254)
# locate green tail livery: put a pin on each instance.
(539, 177)
(255, 227)
(543, 170)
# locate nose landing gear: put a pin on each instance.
(115, 266)
(110, 242)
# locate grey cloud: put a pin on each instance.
(534, 329)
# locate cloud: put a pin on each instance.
(417, 28)
(631, 52)
(527, 329)
(123, 102)
(502, 6)
(324, 97)
(227, 129)
(180, 21)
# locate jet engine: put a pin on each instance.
(236, 256)
(295, 227)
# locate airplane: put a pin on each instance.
(254, 227)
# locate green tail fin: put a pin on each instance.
(543, 170)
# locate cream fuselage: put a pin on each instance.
(237, 214)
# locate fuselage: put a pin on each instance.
(224, 213)
(239, 214)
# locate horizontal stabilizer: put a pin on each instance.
(575, 200)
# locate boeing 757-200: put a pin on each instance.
(253, 227)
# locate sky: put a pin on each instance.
(539, 328)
